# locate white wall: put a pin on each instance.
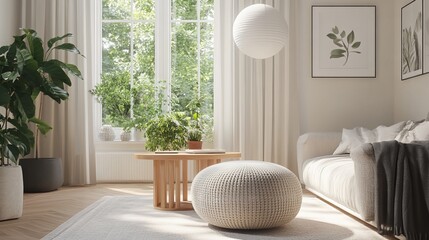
(10, 12)
(330, 104)
(411, 97)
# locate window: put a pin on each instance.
(157, 56)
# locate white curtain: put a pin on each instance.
(254, 99)
(72, 121)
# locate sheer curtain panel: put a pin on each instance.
(254, 99)
(72, 121)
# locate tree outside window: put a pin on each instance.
(133, 89)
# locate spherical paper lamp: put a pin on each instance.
(260, 31)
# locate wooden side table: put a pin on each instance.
(170, 176)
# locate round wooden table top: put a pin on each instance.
(186, 156)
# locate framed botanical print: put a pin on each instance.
(343, 41)
(425, 27)
(411, 40)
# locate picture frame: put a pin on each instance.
(412, 40)
(425, 6)
(343, 41)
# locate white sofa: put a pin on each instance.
(339, 179)
(347, 180)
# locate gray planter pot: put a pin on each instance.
(42, 174)
(11, 194)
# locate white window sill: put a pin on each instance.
(128, 146)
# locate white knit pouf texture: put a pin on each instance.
(246, 195)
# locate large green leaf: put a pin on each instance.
(20, 61)
(19, 140)
(56, 73)
(16, 143)
(11, 53)
(31, 76)
(54, 92)
(41, 125)
(37, 49)
(4, 96)
(19, 38)
(68, 47)
(71, 68)
(29, 31)
(52, 41)
(19, 41)
(12, 152)
(25, 104)
(3, 50)
(351, 37)
(32, 64)
(22, 132)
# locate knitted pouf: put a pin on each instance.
(246, 195)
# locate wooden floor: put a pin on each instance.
(43, 212)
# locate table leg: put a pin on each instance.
(171, 183)
(211, 162)
(156, 184)
(196, 166)
(163, 187)
(177, 182)
(185, 179)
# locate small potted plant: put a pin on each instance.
(195, 125)
(195, 136)
(167, 132)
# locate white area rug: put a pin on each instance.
(133, 217)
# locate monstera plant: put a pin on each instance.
(27, 71)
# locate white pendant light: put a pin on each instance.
(260, 31)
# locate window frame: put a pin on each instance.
(163, 56)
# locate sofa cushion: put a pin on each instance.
(414, 131)
(332, 176)
(352, 138)
(384, 133)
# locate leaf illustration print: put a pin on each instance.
(346, 43)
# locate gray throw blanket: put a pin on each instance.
(402, 189)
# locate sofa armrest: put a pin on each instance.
(315, 144)
(364, 163)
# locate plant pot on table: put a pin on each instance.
(195, 144)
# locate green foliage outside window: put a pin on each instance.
(115, 93)
(128, 66)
